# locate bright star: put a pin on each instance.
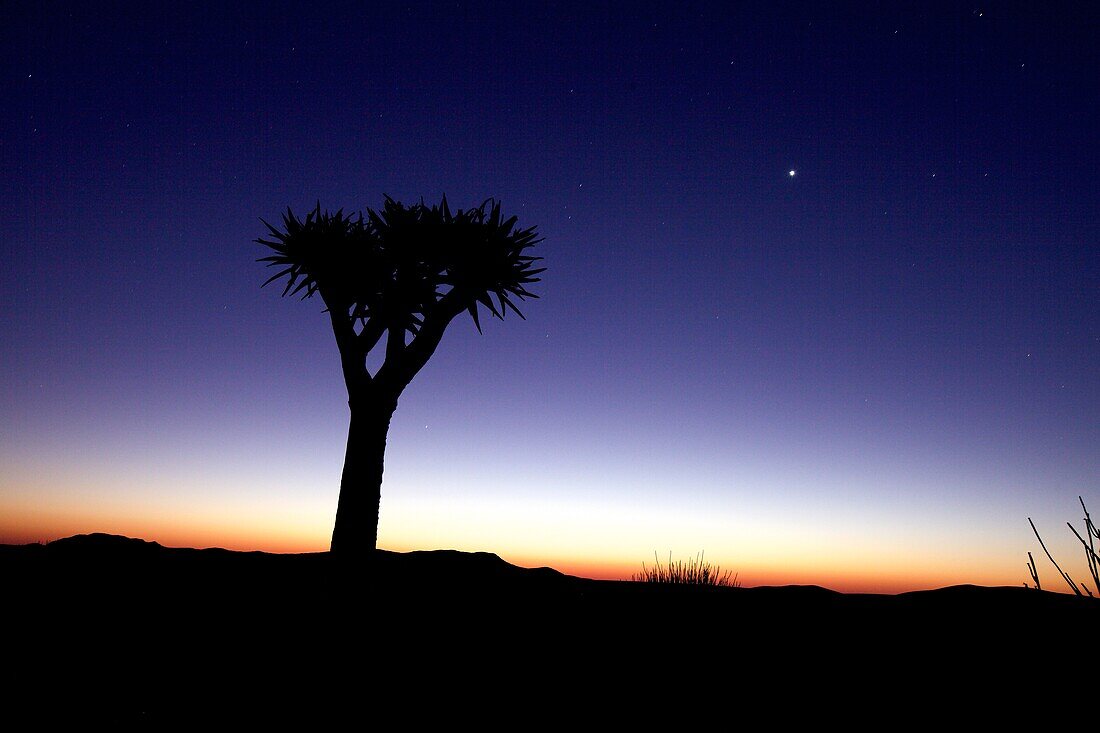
(791, 173)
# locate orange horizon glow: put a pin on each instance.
(590, 538)
(793, 321)
(845, 580)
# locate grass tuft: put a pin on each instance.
(690, 572)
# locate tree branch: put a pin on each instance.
(395, 345)
(371, 335)
(397, 375)
(353, 358)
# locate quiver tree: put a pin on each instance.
(394, 280)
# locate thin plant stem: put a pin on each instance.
(1069, 580)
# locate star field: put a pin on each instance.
(821, 297)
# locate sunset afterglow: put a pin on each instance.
(820, 300)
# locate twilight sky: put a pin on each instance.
(866, 374)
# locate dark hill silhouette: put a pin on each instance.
(475, 574)
(132, 631)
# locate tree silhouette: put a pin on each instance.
(404, 271)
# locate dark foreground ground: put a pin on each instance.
(108, 629)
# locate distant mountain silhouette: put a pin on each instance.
(425, 571)
(132, 632)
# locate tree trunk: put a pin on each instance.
(355, 534)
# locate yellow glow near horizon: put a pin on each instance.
(596, 539)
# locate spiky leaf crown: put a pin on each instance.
(397, 263)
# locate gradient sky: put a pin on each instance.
(866, 375)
